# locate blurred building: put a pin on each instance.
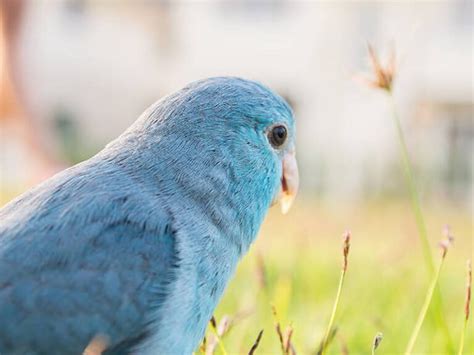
(89, 68)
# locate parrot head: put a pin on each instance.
(223, 138)
(259, 127)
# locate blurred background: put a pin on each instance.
(76, 73)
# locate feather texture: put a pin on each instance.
(137, 244)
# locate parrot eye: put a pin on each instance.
(277, 136)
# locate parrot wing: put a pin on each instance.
(81, 259)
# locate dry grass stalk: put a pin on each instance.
(468, 290)
(278, 329)
(377, 340)
(219, 330)
(288, 334)
(292, 349)
(331, 337)
(467, 306)
(444, 245)
(287, 347)
(224, 325)
(447, 241)
(345, 253)
(383, 75)
(256, 343)
(345, 250)
(384, 78)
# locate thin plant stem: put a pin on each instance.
(424, 309)
(219, 340)
(420, 222)
(467, 306)
(384, 76)
(415, 199)
(333, 313)
(278, 330)
(463, 335)
(377, 340)
(256, 343)
(345, 254)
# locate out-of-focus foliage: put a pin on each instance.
(384, 290)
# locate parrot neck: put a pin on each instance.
(218, 172)
(205, 187)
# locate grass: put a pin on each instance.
(428, 298)
(376, 343)
(467, 307)
(329, 330)
(384, 291)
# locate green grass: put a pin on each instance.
(385, 285)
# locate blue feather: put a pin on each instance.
(138, 243)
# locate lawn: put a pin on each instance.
(385, 285)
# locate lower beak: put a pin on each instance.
(289, 181)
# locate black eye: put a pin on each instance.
(277, 136)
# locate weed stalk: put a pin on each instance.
(377, 340)
(384, 77)
(345, 251)
(466, 306)
(429, 295)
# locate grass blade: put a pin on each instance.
(257, 342)
(467, 305)
(429, 295)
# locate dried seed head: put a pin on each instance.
(288, 335)
(220, 330)
(224, 325)
(468, 290)
(377, 340)
(383, 75)
(346, 247)
(447, 241)
(447, 233)
(278, 329)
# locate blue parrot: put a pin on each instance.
(136, 245)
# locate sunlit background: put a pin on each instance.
(76, 73)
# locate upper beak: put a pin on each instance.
(289, 181)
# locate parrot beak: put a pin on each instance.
(289, 181)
